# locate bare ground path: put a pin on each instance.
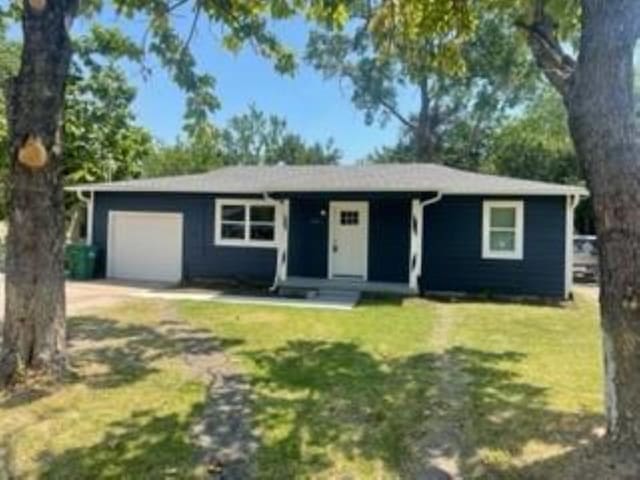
(437, 455)
(224, 434)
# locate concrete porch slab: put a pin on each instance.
(332, 303)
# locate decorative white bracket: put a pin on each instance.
(570, 206)
(416, 238)
(282, 236)
(89, 206)
(415, 250)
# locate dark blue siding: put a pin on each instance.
(202, 259)
(308, 235)
(452, 249)
(452, 257)
(389, 239)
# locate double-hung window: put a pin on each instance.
(248, 223)
(502, 229)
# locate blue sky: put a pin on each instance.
(315, 108)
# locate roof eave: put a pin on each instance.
(541, 192)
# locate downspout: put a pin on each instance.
(89, 205)
(282, 232)
(415, 265)
(429, 201)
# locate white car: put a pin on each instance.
(585, 257)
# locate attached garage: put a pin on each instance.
(145, 246)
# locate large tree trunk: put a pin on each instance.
(34, 333)
(598, 92)
(600, 104)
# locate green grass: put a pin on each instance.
(124, 412)
(356, 392)
(336, 394)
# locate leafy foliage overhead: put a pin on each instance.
(466, 73)
(536, 144)
(101, 138)
(9, 62)
(241, 23)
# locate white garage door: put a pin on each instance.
(145, 246)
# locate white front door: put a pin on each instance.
(348, 239)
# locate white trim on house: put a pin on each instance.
(246, 241)
(362, 206)
(282, 236)
(487, 252)
(168, 272)
(416, 236)
(570, 205)
(415, 245)
(88, 202)
(90, 219)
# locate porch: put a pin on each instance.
(334, 286)
(356, 243)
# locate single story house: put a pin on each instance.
(406, 228)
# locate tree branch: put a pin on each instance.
(394, 111)
(176, 5)
(192, 31)
(556, 65)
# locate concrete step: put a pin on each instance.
(333, 295)
(296, 292)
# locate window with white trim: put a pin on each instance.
(245, 223)
(502, 229)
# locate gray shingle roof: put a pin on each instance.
(421, 177)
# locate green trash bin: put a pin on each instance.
(81, 261)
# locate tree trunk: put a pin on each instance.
(599, 96)
(34, 331)
(423, 131)
(600, 103)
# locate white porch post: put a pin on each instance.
(571, 204)
(283, 241)
(415, 249)
(90, 219)
(88, 203)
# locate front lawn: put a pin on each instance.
(377, 392)
(365, 394)
(123, 412)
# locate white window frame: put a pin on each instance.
(516, 254)
(246, 241)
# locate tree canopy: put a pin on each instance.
(254, 138)
(250, 138)
(464, 83)
(535, 144)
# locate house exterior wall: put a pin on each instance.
(452, 249)
(389, 232)
(308, 237)
(452, 242)
(201, 258)
(389, 220)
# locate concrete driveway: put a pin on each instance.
(85, 296)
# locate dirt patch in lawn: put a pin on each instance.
(223, 432)
(437, 455)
